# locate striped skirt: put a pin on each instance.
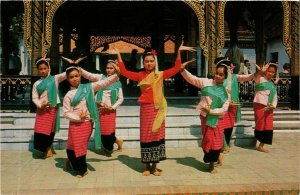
(152, 143)
(78, 137)
(229, 117)
(107, 122)
(45, 121)
(212, 138)
(263, 124)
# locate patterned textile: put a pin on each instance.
(212, 138)
(229, 117)
(107, 122)
(45, 121)
(152, 143)
(263, 119)
(78, 137)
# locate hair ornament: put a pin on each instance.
(153, 52)
(72, 67)
(44, 59)
(274, 64)
(223, 60)
(114, 62)
(229, 68)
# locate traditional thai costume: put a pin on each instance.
(153, 111)
(110, 96)
(211, 123)
(234, 110)
(265, 94)
(47, 121)
(79, 100)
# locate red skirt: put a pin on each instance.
(212, 138)
(78, 137)
(107, 122)
(263, 119)
(148, 114)
(229, 117)
(45, 121)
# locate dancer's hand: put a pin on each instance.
(83, 115)
(186, 48)
(206, 108)
(45, 106)
(262, 69)
(183, 65)
(269, 108)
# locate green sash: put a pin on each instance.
(267, 86)
(219, 95)
(234, 94)
(85, 90)
(114, 90)
(48, 84)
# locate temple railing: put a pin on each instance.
(16, 91)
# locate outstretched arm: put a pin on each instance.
(172, 71)
(90, 76)
(123, 71)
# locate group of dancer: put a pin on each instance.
(94, 105)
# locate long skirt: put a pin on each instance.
(228, 122)
(78, 138)
(108, 127)
(212, 140)
(44, 129)
(263, 124)
(152, 143)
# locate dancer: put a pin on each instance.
(45, 97)
(80, 108)
(108, 100)
(265, 101)
(234, 110)
(213, 105)
(153, 107)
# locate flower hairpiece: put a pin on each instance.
(229, 68)
(152, 52)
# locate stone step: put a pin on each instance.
(132, 116)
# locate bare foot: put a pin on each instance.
(81, 176)
(120, 144)
(147, 171)
(49, 153)
(220, 159)
(213, 171)
(262, 149)
(156, 172)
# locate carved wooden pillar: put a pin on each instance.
(37, 13)
(295, 55)
(211, 34)
(295, 38)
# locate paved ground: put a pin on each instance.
(245, 171)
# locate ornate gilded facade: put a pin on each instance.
(210, 15)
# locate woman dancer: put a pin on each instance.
(265, 101)
(108, 100)
(45, 97)
(212, 107)
(80, 108)
(153, 106)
